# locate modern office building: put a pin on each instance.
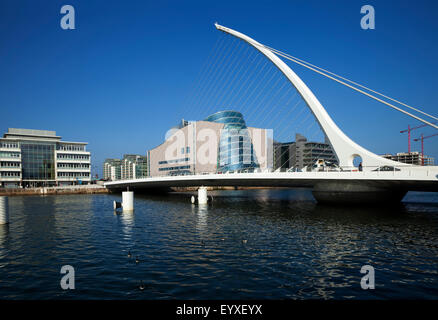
(221, 143)
(132, 166)
(33, 158)
(415, 158)
(301, 153)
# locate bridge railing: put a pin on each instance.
(384, 171)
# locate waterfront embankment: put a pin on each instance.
(78, 189)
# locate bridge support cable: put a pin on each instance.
(211, 68)
(224, 81)
(350, 81)
(274, 119)
(245, 106)
(220, 78)
(358, 90)
(251, 76)
(278, 103)
(243, 98)
(266, 99)
(230, 82)
(265, 107)
(242, 77)
(188, 100)
(224, 54)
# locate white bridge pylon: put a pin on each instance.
(345, 149)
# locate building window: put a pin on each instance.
(174, 161)
(174, 168)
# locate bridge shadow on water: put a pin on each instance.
(291, 202)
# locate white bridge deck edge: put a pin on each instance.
(430, 175)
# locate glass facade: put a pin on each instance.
(236, 152)
(38, 161)
(141, 168)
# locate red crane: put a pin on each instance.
(422, 145)
(409, 133)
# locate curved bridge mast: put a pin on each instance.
(344, 148)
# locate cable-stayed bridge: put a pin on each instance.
(252, 78)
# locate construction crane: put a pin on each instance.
(408, 130)
(422, 145)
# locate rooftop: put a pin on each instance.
(31, 133)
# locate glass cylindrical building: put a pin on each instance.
(236, 152)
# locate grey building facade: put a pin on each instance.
(301, 153)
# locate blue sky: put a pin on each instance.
(118, 81)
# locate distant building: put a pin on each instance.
(301, 153)
(132, 166)
(221, 143)
(112, 169)
(415, 158)
(33, 158)
(282, 155)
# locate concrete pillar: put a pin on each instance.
(128, 200)
(4, 210)
(202, 195)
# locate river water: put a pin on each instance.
(248, 244)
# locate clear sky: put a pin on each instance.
(118, 81)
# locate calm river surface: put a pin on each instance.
(295, 248)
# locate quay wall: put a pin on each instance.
(80, 189)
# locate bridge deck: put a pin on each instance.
(424, 180)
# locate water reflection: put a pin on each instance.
(127, 219)
(295, 247)
(202, 215)
(4, 234)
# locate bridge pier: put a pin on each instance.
(202, 195)
(354, 192)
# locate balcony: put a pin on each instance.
(73, 152)
(10, 178)
(73, 178)
(73, 160)
(10, 169)
(73, 169)
(10, 149)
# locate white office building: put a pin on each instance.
(34, 158)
